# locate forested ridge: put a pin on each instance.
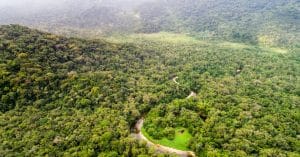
(261, 22)
(256, 21)
(73, 97)
(69, 97)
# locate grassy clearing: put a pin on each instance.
(233, 45)
(180, 141)
(173, 39)
(277, 50)
(164, 37)
(168, 37)
(177, 40)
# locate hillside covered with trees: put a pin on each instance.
(69, 97)
(261, 22)
(75, 97)
(256, 21)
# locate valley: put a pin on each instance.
(150, 78)
(82, 97)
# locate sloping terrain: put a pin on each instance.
(73, 97)
(262, 22)
(69, 97)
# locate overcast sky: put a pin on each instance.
(22, 8)
(25, 3)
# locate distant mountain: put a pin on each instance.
(257, 21)
(105, 16)
(253, 21)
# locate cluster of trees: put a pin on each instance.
(72, 97)
(67, 132)
(162, 120)
(247, 99)
(239, 21)
(265, 22)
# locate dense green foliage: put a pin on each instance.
(67, 97)
(73, 97)
(162, 120)
(264, 22)
(248, 97)
(177, 138)
(166, 124)
(256, 21)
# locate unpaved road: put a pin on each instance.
(175, 80)
(193, 94)
(159, 148)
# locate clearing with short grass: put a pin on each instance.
(180, 142)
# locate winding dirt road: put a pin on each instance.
(193, 94)
(159, 148)
(175, 80)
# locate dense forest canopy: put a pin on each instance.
(267, 22)
(73, 97)
(70, 97)
(204, 77)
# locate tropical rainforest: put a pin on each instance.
(215, 78)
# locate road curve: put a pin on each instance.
(193, 94)
(160, 148)
(175, 80)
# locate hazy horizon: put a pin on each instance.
(25, 3)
